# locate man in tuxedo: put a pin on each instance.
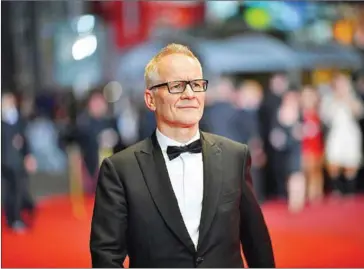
(181, 198)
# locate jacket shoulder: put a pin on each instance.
(226, 143)
(128, 154)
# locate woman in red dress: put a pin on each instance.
(312, 144)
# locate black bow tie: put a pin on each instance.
(174, 151)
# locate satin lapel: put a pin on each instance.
(156, 176)
(212, 162)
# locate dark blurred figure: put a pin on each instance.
(278, 86)
(66, 119)
(218, 117)
(359, 84)
(16, 162)
(285, 140)
(95, 131)
(248, 100)
(147, 123)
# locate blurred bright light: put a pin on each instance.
(84, 47)
(321, 31)
(282, 15)
(287, 17)
(221, 9)
(344, 31)
(85, 24)
(257, 18)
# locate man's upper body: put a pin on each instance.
(182, 197)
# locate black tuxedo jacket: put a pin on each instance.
(136, 212)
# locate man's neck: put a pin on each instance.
(179, 134)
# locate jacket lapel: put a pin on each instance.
(156, 176)
(212, 162)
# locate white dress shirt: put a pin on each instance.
(186, 176)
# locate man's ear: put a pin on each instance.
(149, 100)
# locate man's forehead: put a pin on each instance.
(174, 60)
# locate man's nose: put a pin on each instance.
(188, 93)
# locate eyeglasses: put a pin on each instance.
(197, 85)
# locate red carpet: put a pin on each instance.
(327, 235)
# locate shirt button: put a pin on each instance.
(199, 260)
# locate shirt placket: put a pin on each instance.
(183, 161)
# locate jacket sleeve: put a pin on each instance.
(254, 234)
(109, 220)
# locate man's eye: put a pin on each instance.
(176, 86)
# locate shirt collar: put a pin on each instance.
(165, 141)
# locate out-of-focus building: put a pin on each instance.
(133, 22)
(327, 31)
(50, 44)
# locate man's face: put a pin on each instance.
(178, 109)
(279, 84)
(97, 105)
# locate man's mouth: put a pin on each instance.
(188, 106)
(185, 107)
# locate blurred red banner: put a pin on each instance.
(134, 21)
(182, 14)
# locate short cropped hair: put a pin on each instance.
(151, 70)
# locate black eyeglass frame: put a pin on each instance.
(188, 82)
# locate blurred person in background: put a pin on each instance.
(248, 99)
(341, 111)
(127, 122)
(211, 97)
(66, 119)
(278, 86)
(43, 138)
(219, 115)
(147, 123)
(96, 131)
(26, 108)
(312, 143)
(181, 197)
(286, 140)
(16, 163)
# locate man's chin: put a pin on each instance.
(189, 123)
(185, 123)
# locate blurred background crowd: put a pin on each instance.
(285, 77)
